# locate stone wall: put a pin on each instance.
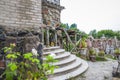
(50, 15)
(17, 19)
(51, 12)
(24, 44)
(20, 13)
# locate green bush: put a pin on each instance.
(83, 44)
(98, 58)
(101, 53)
(117, 51)
(26, 66)
(92, 51)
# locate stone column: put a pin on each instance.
(75, 38)
(115, 42)
(55, 38)
(48, 35)
(42, 36)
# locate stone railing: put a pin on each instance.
(22, 38)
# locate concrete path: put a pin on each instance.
(99, 71)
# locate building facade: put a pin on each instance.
(20, 17)
(20, 14)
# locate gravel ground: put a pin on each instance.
(99, 71)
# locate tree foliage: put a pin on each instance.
(65, 26)
(73, 26)
(107, 33)
(117, 34)
(26, 66)
(93, 33)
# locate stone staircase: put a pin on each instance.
(69, 65)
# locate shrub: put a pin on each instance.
(92, 51)
(117, 51)
(101, 53)
(26, 66)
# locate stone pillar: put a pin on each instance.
(42, 36)
(55, 38)
(48, 42)
(115, 41)
(75, 38)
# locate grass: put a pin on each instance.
(110, 56)
(98, 58)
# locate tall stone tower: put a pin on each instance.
(20, 14)
(17, 18)
(51, 10)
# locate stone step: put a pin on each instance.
(56, 52)
(61, 57)
(69, 65)
(116, 79)
(66, 61)
(51, 48)
(81, 69)
(67, 68)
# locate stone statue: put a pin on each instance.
(2, 35)
(103, 36)
(2, 45)
(2, 40)
(115, 42)
(39, 51)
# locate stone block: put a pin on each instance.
(2, 3)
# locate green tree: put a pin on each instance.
(93, 33)
(107, 33)
(117, 34)
(83, 34)
(63, 25)
(66, 26)
(73, 26)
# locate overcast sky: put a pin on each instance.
(92, 14)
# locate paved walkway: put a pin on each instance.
(116, 78)
(99, 71)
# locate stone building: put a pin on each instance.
(29, 13)
(18, 17)
(20, 14)
(25, 22)
(51, 10)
